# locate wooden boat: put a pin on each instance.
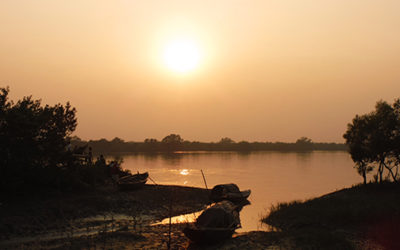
(204, 236)
(215, 224)
(228, 192)
(131, 182)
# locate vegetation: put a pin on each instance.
(174, 142)
(34, 148)
(335, 221)
(373, 140)
(365, 213)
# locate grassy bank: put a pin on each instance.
(357, 217)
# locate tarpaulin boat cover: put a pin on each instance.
(221, 215)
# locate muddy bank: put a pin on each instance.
(151, 237)
(32, 215)
(111, 219)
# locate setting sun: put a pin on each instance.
(181, 55)
(241, 120)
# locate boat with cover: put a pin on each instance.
(215, 224)
(230, 192)
(131, 182)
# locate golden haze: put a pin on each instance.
(271, 70)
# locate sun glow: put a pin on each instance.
(182, 55)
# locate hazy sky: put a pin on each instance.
(269, 70)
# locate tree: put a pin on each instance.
(117, 140)
(373, 139)
(226, 140)
(150, 140)
(244, 146)
(33, 138)
(151, 144)
(304, 143)
(172, 142)
(382, 134)
(304, 140)
(396, 139)
(226, 143)
(357, 136)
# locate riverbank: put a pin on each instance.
(57, 217)
(109, 219)
(361, 217)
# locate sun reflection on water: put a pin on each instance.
(184, 218)
(184, 172)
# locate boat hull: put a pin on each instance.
(208, 236)
(133, 182)
(131, 185)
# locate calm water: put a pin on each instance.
(272, 176)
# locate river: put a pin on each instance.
(272, 176)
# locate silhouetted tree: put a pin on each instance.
(244, 146)
(226, 144)
(151, 140)
(75, 138)
(374, 139)
(357, 139)
(151, 144)
(304, 140)
(383, 133)
(33, 138)
(304, 143)
(226, 140)
(172, 142)
(396, 136)
(117, 140)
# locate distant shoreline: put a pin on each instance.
(153, 146)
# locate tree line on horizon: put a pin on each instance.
(38, 151)
(174, 142)
(37, 148)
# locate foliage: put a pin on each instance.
(35, 150)
(304, 140)
(374, 140)
(33, 139)
(305, 143)
(226, 140)
(172, 142)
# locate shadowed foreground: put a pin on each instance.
(67, 213)
(361, 217)
(124, 221)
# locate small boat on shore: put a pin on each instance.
(230, 192)
(206, 236)
(215, 224)
(132, 182)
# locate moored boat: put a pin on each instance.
(230, 192)
(215, 224)
(208, 235)
(131, 182)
